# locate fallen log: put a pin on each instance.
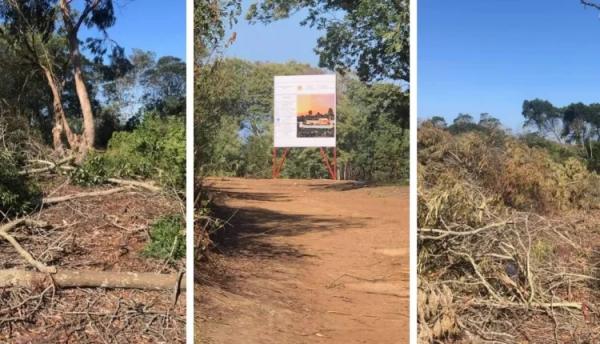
(146, 185)
(58, 199)
(91, 279)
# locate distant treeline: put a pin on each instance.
(569, 131)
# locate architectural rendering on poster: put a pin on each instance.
(305, 111)
(304, 116)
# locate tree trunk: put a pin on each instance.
(61, 126)
(59, 112)
(89, 130)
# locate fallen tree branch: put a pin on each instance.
(20, 250)
(26, 255)
(444, 233)
(58, 199)
(22, 220)
(91, 279)
(534, 305)
(50, 166)
(146, 185)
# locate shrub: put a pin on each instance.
(91, 172)
(156, 149)
(18, 194)
(167, 238)
(503, 168)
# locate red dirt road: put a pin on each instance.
(307, 261)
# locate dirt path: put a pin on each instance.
(308, 262)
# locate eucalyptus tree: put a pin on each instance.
(33, 29)
(100, 15)
(29, 29)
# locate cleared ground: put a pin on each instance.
(306, 261)
(103, 233)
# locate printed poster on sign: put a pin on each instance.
(305, 111)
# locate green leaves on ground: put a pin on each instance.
(91, 172)
(167, 238)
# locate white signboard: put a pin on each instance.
(304, 111)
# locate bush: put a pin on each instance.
(17, 193)
(520, 176)
(558, 152)
(154, 150)
(167, 238)
(91, 172)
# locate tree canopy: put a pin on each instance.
(369, 37)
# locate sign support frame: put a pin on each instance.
(278, 164)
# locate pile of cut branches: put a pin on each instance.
(53, 280)
(496, 261)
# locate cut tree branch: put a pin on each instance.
(91, 279)
(50, 166)
(58, 199)
(26, 255)
(146, 185)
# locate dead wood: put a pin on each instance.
(26, 255)
(58, 199)
(91, 279)
(146, 185)
(50, 165)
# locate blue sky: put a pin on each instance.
(155, 25)
(488, 56)
(280, 41)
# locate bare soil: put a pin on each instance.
(306, 261)
(106, 233)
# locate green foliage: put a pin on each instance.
(167, 238)
(156, 150)
(256, 154)
(92, 171)
(371, 37)
(304, 163)
(373, 135)
(17, 193)
(558, 152)
(211, 19)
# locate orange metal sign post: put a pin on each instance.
(278, 165)
(330, 165)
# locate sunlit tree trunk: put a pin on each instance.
(89, 130)
(61, 126)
